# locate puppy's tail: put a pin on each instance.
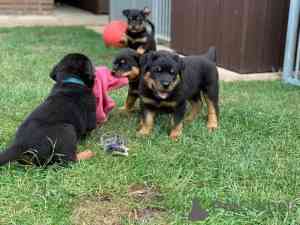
(152, 28)
(211, 54)
(9, 155)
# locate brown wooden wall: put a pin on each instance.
(26, 6)
(249, 34)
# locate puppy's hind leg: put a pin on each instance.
(212, 101)
(196, 106)
(64, 145)
(87, 154)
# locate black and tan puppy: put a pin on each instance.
(137, 37)
(50, 133)
(168, 82)
(127, 64)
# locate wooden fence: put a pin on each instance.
(249, 34)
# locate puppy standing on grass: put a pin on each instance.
(50, 133)
(137, 37)
(127, 64)
(168, 82)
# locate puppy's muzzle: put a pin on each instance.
(135, 27)
(165, 84)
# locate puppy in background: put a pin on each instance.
(137, 37)
(168, 82)
(51, 132)
(127, 64)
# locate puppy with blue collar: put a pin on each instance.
(51, 132)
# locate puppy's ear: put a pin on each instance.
(179, 61)
(146, 60)
(54, 73)
(146, 11)
(125, 12)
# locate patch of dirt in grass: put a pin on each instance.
(99, 210)
(107, 210)
(142, 192)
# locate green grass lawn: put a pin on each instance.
(246, 173)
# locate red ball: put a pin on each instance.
(113, 33)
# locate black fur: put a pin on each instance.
(127, 63)
(137, 34)
(169, 81)
(50, 133)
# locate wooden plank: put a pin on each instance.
(208, 25)
(184, 26)
(255, 35)
(275, 30)
(231, 27)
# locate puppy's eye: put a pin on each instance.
(122, 61)
(172, 71)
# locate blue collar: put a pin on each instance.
(73, 80)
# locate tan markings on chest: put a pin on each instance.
(137, 40)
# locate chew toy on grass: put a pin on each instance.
(113, 34)
(114, 144)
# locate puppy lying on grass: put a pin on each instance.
(50, 133)
(168, 82)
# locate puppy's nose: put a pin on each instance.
(165, 84)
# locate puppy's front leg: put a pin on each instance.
(177, 121)
(147, 122)
(129, 103)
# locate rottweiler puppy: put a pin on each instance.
(50, 133)
(127, 64)
(169, 81)
(137, 37)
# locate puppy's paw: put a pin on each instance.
(124, 39)
(126, 110)
(85, 155)
(140, 50)
(212, 126)
(143, 131)
(123, 109)
(175, 134)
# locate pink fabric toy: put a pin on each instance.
(105, 82)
